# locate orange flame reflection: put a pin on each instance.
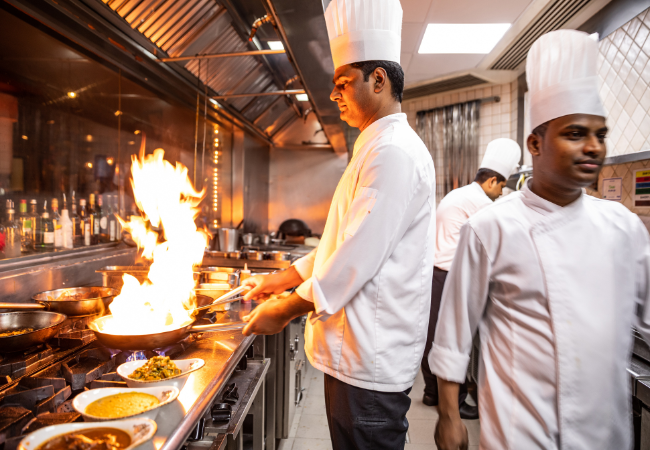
(168, 201)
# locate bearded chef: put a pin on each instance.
(551, 278)
(367, 286)
(499, 162)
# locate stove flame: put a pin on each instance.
(169, 204)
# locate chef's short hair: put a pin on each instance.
(484, 174)
(540, 130)
(393, 70)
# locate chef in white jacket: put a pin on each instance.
(367, 285)
(551, 278)
(499, 162)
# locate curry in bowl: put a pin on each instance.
(122, 405)
(89, 439)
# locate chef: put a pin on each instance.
(367, 286)
(499, 162)
(551, 278)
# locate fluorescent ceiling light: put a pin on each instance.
(302, 97)
(472, 38)
(275, 45)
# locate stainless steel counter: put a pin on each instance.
(221, 353)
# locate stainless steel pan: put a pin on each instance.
(157, 340)
(98, 300)
(45, 324)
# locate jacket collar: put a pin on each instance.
(376, 127)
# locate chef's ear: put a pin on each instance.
(380, 76)
(534, 144)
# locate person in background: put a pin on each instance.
(553, 280)
(500, 161)
(367, 285)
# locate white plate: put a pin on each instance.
(140, 430)
(165, 394)
(187, 366)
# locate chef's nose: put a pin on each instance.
(593, 146)
(335, 95)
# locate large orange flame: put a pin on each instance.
(169, 202)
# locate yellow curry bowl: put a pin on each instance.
(187, 366)
(122, 403)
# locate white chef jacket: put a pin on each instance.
(451, 214)
(370, 276)
(553, 291)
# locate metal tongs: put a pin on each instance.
(225, 298)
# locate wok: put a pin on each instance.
(45, 324)
(156, 340)
(101, 298)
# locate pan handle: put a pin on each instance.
(22, 306)
(219, 327)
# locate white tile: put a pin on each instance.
(473, 430)
(644, 127)
(616, 85)
(421, 431)
(639, 88)
(626, 44)
(624, 71)
(615, 111)
(312, 426)
(645, 100)
(314, 405)
(638, 114)
(285, 444)
(311, 444)
(642, 35)
(637, 142)
(623, 95)
(631, 79)
(630, 102)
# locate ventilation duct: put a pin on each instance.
(451, 84)
(553, 18)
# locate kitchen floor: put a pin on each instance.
(309, 430)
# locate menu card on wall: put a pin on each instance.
(642, 188)
(613, 189)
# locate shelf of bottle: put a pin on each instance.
(42, 256)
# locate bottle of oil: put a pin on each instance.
(103, 219)
(84, 223)
(95, 215)
(12, 232)
(26, 230)
(47, 230)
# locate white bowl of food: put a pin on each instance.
(103, 404)
(146, 373)
(128, 433)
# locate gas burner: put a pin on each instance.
(122, 356)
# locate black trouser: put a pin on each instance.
(361, 419)
(430, 380)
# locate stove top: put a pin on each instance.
(37, 386)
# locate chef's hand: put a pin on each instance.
(272, 316)
(451, 433)
(275, 283)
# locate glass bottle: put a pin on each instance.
(47, 230)
(103, 219)
(95, 215)
(56, 223)
(12, 232)
(112, 219)
(77, 233)
(37, 232)
(84, 223)
(26, 230)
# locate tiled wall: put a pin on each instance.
(624, 69)
(497, 119)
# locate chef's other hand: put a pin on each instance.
(272, 316)
(451, 434)
(275, 283)
(268, 318)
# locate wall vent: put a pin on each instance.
(553, 18)
(443, 86)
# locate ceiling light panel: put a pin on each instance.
(462, 38)
(275, 45)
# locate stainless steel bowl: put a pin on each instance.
(254, 255)
(278, 256)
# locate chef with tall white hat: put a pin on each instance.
(553, 279)
(367, 286)
(499, 162)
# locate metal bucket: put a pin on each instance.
(228, 239)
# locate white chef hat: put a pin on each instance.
(502, 155)
(364, 30)
(562, 76)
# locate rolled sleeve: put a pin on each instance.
(305, 265)
(464, 299)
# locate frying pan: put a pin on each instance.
(156, 340)
(46, 325)
(101, 298)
